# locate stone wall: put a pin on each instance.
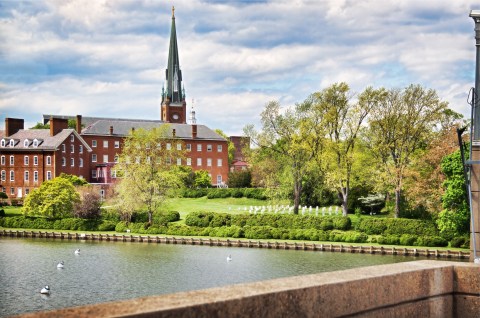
(411, 289)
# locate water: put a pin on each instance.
(108, 271)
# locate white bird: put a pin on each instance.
(45, 290)
(60, 265)
(77, 251)
(229, 258)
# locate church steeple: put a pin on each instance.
(173, 97)
(173, 73)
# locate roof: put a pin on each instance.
(122, 127)
(46, 142)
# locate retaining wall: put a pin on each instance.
(413, 289)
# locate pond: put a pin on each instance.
(109, 271)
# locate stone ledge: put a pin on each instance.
(432, 288)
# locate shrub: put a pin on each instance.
(388, 239)
(227, 231)
(139, 216)
(342, 223)
(408, 239)
(89, 205)
(220, 219)
(255, 193)
(431, 241)
(110, 215)
(121, 227)
(220, 193)
(194, 193)
(2, 212)
(107, 226)
(397, 226)
(162, 218)
(200, 219)
(237, 193)
(258, 232)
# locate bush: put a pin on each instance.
(2, 213)
(255, 193)
(431, 241)
(408, 239)
(163, 218)
(388, 239)
(220, 193)
(121, 227)
(200, 219)
(139, 217)
(107, 226)
(110, 215)
(227, 231)
(385, 226)
(194, 193)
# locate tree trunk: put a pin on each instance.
(343, 196)
(397, 202)
(296, 196)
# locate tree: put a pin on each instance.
(230, 145)
(75, 180)
(53, 199)
(41, 126)
(202, 179)
(292, 138)
(89, 205)
(240, 179)
(454, 220)
(147, 165)
(342, 120)
(402, 124)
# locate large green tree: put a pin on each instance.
(53, 199)
(343, 120)
(402, 124)
(148, 169)
(292, 139)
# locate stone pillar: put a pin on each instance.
(475, 190)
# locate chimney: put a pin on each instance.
(12, 125)
(79, 124)
(174, 133)
(57, 125)
(194, 131)
(111, 130)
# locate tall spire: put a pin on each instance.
(173, 73)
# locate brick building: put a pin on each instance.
(28, 157)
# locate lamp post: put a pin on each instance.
(475, 14)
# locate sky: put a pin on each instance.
(107, 58)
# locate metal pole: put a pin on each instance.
(475, 14)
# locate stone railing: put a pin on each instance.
(412, 289)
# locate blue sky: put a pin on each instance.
(107, 58)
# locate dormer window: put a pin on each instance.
(12, 143)
(35, 143)
(26, 143)
(3, 142)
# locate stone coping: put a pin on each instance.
(419, 288)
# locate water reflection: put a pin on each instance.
(107, 271)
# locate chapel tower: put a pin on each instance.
(174, 106)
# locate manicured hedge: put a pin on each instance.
(290, 221)
(218, 193)
(62, 224)
(399, 226)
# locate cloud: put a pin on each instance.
(108, 58)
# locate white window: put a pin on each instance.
(94, 158)
(179, 162)
(35, 176)
(27, 175)
(113, 173)
(2, 144)
(64, 162)
(12, 143)
(179, 146)
(80, 149)
(199, 162)
(49, 175)
(219, 162)
(49, 160)
(35, 160)
(72, 148)
(94, 143)
(169, 146)
(219, 148)
(63, 147)
(25, 160)
(35, 143)
(94, 174)
(72, 138)
(117, 144)
(2, 161)
(219, 179)
(189, 147)
(189, 161)
(27, 191)
(12, 191)
(209, 162)
(199, 147)
(105, 158)
(105, 144)
(209, 148)
(12, 160)
(80, 162)
(4, 176)
(12, 175)
(26, 143)
(72, 162)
